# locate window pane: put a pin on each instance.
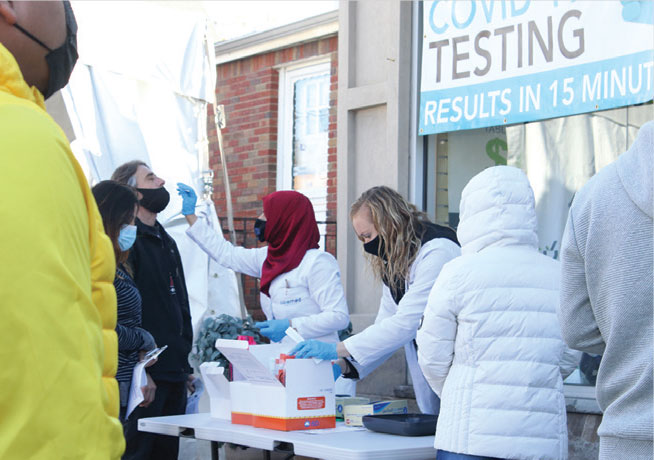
(310, 140)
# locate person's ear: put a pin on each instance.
(7, 12)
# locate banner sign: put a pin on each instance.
(498, 62)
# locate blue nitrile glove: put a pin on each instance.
(337, 371)
(275, 329)
(189, 198)
(315, 349)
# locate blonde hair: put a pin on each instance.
(399, 225)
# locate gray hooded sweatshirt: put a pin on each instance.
(606, 294)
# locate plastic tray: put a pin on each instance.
(402, 424)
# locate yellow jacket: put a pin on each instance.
(58, 348)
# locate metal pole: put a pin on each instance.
(627, 130)
(219, 118)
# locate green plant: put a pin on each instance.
(221, 327)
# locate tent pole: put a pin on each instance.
(219, 119)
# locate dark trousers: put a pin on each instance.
(170, 399)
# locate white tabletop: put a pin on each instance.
(336, 444)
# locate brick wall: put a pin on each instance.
(249, 90)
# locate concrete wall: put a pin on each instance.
(374, 50)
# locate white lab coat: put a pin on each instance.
(396, 324)
(311, 295)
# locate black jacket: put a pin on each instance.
(159, 275)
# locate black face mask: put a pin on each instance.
(60, 60)
(154, 199)
(260, 229)
(373, 246)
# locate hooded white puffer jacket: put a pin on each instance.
(490, 344)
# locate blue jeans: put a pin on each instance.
(445, 455)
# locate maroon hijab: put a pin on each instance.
(291, 230)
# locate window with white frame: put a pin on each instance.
(303, 134)
(598, 137)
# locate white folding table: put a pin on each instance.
(334, 444)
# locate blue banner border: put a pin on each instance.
(544, 112)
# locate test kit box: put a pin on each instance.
(354, 413)
(217, 387)
(345, 400)
(259, 399)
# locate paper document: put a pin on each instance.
(139, 380)
(237, 353)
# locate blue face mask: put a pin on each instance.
(127, 237)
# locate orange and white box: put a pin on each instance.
(259, 399)
(242, 402)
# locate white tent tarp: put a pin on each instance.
(140, 92)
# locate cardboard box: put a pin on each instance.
(260, 399)
(342, 401)
(241, 403)
(217, 387)
(354, 413)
